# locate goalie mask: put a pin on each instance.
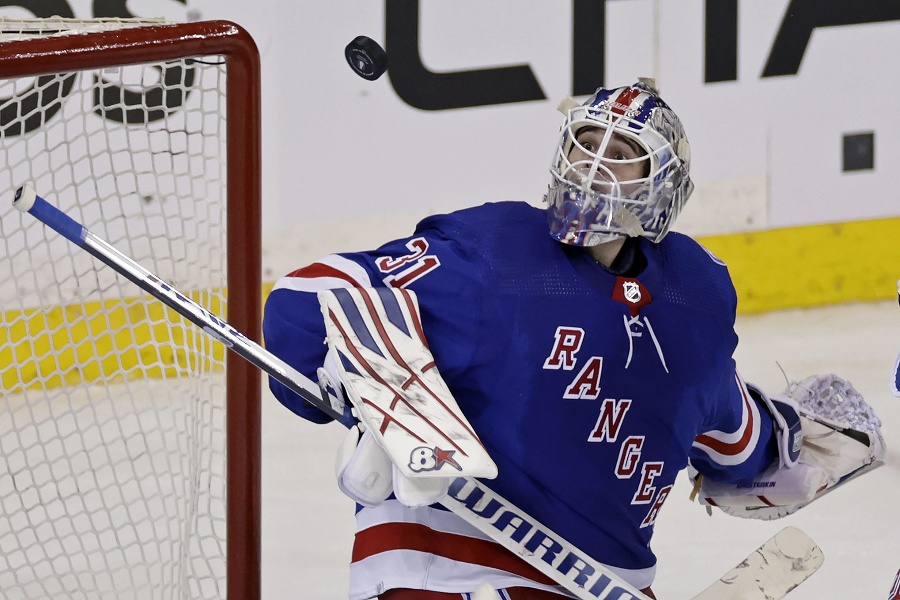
(620, 170)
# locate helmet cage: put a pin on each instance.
(588, 204)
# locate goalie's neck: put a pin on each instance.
(619, 257)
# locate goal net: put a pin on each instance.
(129, 443)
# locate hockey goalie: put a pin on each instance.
(577, 372)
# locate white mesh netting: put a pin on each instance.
(835, 398)
(112, 481)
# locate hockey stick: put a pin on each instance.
(27, 200)
(468, 498)
(786, 560)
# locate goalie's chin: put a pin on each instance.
(587, 218)
(584, 239)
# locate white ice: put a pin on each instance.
(308, 525)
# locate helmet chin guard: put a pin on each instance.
(587, 203)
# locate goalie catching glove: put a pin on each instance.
(412, 438)
(839, 439)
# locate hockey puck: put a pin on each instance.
(366, 58)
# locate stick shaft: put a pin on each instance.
(214, 326)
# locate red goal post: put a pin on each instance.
(88, 365)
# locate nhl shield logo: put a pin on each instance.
(632, 291)
(632, 294)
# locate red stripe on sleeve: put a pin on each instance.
(734, 448)
(316, 270)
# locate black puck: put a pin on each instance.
(366, 58)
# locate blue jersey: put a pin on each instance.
(590, 390)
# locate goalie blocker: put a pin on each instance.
(837, 437)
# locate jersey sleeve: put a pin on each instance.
(739, 442)
(432, 262)
(293, 327)
(735, 440)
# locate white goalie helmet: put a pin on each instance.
(621, 168)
